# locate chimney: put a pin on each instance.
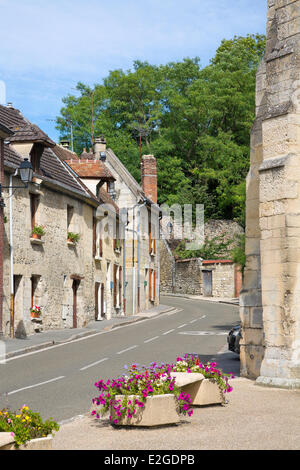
(65, 144)
(99, 146)
(149, 177)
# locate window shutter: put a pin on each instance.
(115, 285)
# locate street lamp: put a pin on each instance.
(26, 173)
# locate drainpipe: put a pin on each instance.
(11, 251)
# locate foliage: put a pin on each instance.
(214, 248)
(25, 425)
(141, 383)
(73, 237)
(195, 120)
(38, 230)
(238, 253)
(190, 363)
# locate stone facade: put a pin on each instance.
(73, 283)
(137, 204)
(44, 270)
(270, 348)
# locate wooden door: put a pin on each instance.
(207, 283)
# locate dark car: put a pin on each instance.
(233, 339)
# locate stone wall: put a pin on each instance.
(188, 279)
(167, 268)
(270, 348)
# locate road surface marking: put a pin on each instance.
(174, 311)
(181, 326)
(94, 363)
(151, 339)
(196, 319)
(167, 332)
(203, 333)
(36, 385)
(128, 349)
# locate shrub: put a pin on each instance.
(25, 425)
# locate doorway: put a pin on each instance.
(99, 301)
(75, 286)
(207, 283)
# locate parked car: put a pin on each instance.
(233, 339)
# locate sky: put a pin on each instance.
(48, 47)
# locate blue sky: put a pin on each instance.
(47, 47)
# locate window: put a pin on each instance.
(117, 287)
(152, 285)
(117, 240)
(97, 239)
(34, 284)
(34, 202)
(70, 213)
(152, 240)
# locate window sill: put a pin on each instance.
(36, 320)
(71, 243)
(152, 254)
(98, 258)
(37, 241)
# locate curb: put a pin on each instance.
(48, 344)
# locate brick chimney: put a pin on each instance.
(149, 177)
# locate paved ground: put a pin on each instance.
(11, 347)
(256, 418)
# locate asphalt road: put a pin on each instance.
(59, 381)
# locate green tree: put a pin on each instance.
(195, 120)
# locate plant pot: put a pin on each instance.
(42, 443)
(35, 315)
(202, 391)
(36, 236)
(159, 410)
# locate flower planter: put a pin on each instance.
(36, 236)
(42, 443)
(159, 410)
(202, 391)
(35, 315)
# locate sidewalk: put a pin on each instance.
(15, 346)
(255, 418)
(223, 300)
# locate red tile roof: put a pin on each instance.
(90, 169)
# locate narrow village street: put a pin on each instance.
(59, 381)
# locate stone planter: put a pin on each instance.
(42, 443)
(159, 410)
(201, 390)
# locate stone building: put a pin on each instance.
(101, 168)
(270, 300)
(63, 278)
